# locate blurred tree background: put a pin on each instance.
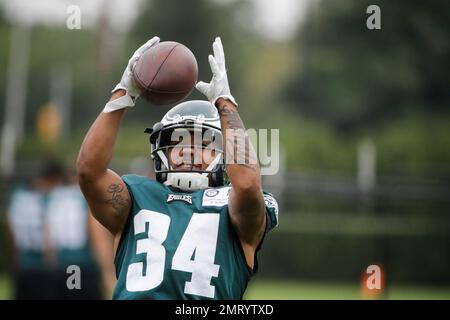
(389, 84)
(331, 85)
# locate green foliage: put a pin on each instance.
(415, 145)
(193, 23)
(418, 144)
(388, 85)
(131, 142)
(351, 77)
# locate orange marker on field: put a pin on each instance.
(372, 282)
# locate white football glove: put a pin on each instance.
(218, 87)
(127, 82)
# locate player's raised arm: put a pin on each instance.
(104, 190)
(246, 203)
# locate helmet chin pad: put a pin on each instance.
(187, 181)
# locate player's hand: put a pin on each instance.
(127, 82)
(218, 87)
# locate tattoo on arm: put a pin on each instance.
(232, 118)
(117, 201)
(238, 139)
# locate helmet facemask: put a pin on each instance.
(187, 151)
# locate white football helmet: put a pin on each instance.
(192, 117)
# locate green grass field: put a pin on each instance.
(5, 287)
(295, 290)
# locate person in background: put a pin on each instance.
(78, 240)
(29, 240)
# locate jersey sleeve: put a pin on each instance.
(131, 179)
(271, 210)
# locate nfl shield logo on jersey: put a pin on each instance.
(212, 193)
(217, 197)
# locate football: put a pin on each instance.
(166, 73)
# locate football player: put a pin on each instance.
(188, 234)
(29, 237)
(77, 239)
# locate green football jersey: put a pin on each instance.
(179, 245)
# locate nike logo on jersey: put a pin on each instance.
(179, 197)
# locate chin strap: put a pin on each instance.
(213, 164)
(163, 158)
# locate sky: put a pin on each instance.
(273, 19)
(54, 12)
(279, 19)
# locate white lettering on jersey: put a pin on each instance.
(179, 197)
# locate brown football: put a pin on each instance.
(166, 73)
